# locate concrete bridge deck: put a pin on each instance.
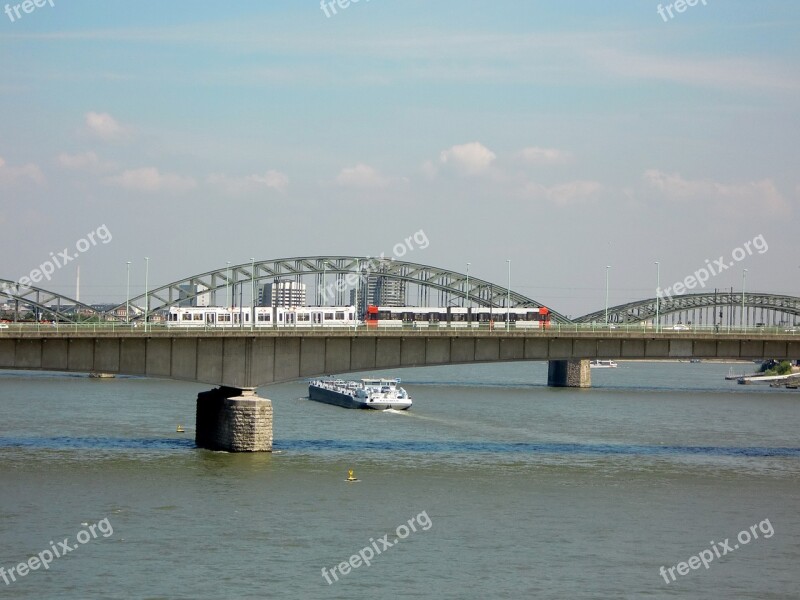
(243, 358)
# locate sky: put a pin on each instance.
(566, 137)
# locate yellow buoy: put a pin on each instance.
(180, 429)
(350, 476)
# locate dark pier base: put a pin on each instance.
(569, 373)
(234, 420)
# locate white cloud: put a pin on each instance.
(698, 71)
(83, 161)
(544, 156)
(472, 158)
(236, 185)
(149, 179)
(565, 194)
(361, 176)
(104, 126)
(10, 175)
(758, 196)
(272, 179)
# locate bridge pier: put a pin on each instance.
(234, 420)
(569, 373)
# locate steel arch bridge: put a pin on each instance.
(644, 310)
(452, 286)
(42, 301)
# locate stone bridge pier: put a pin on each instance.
(569, 373)
(234, 420)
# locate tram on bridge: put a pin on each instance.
(456, 316)
(345, 316)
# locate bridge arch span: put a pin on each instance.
(451, 286)
(788, 307)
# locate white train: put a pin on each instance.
(265, 316)
(345, 316)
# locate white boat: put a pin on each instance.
(602, 364)
(375, 394)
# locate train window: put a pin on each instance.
(186, 317)
(328, 316)
(303, 317)
(340, 315)
(198, 316)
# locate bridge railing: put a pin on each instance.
(496, 328)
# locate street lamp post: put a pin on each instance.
(358, 283)
(468, 264)
(324, 289)
(128, 296)
(228, 286)
(252, 292)
(658, 292)
(744, 280)
(508, 297)
(146, 291)
(607, 268)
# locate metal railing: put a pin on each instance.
(495, 328)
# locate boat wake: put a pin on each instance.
(394, 411)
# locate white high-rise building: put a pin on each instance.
(286, 294)
(379, 290)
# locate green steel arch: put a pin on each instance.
(451, 285)
(42, 300)
(644, 310)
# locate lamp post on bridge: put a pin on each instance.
(658, 292)
(128, 296)
(252, 292)
(744, 280)
(468, 264)
(146, 291)
(324, 277)
(607, 268)
(508, 297)
(358, 284)
(228, 286)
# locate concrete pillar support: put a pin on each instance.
(234, 420)
(569, 373)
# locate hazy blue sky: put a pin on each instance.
(565, 136)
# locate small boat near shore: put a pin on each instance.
(101, 375)
(602, 364)
(374, 394)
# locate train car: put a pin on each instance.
(265, 317)
(316, 316)
(380, 317)
(206, 316)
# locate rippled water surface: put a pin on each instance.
(527, 491)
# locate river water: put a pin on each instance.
(491, 486)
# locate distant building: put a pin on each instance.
(379, 290)
(282, 293)
(187, 291)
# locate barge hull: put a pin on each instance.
(335, 398)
